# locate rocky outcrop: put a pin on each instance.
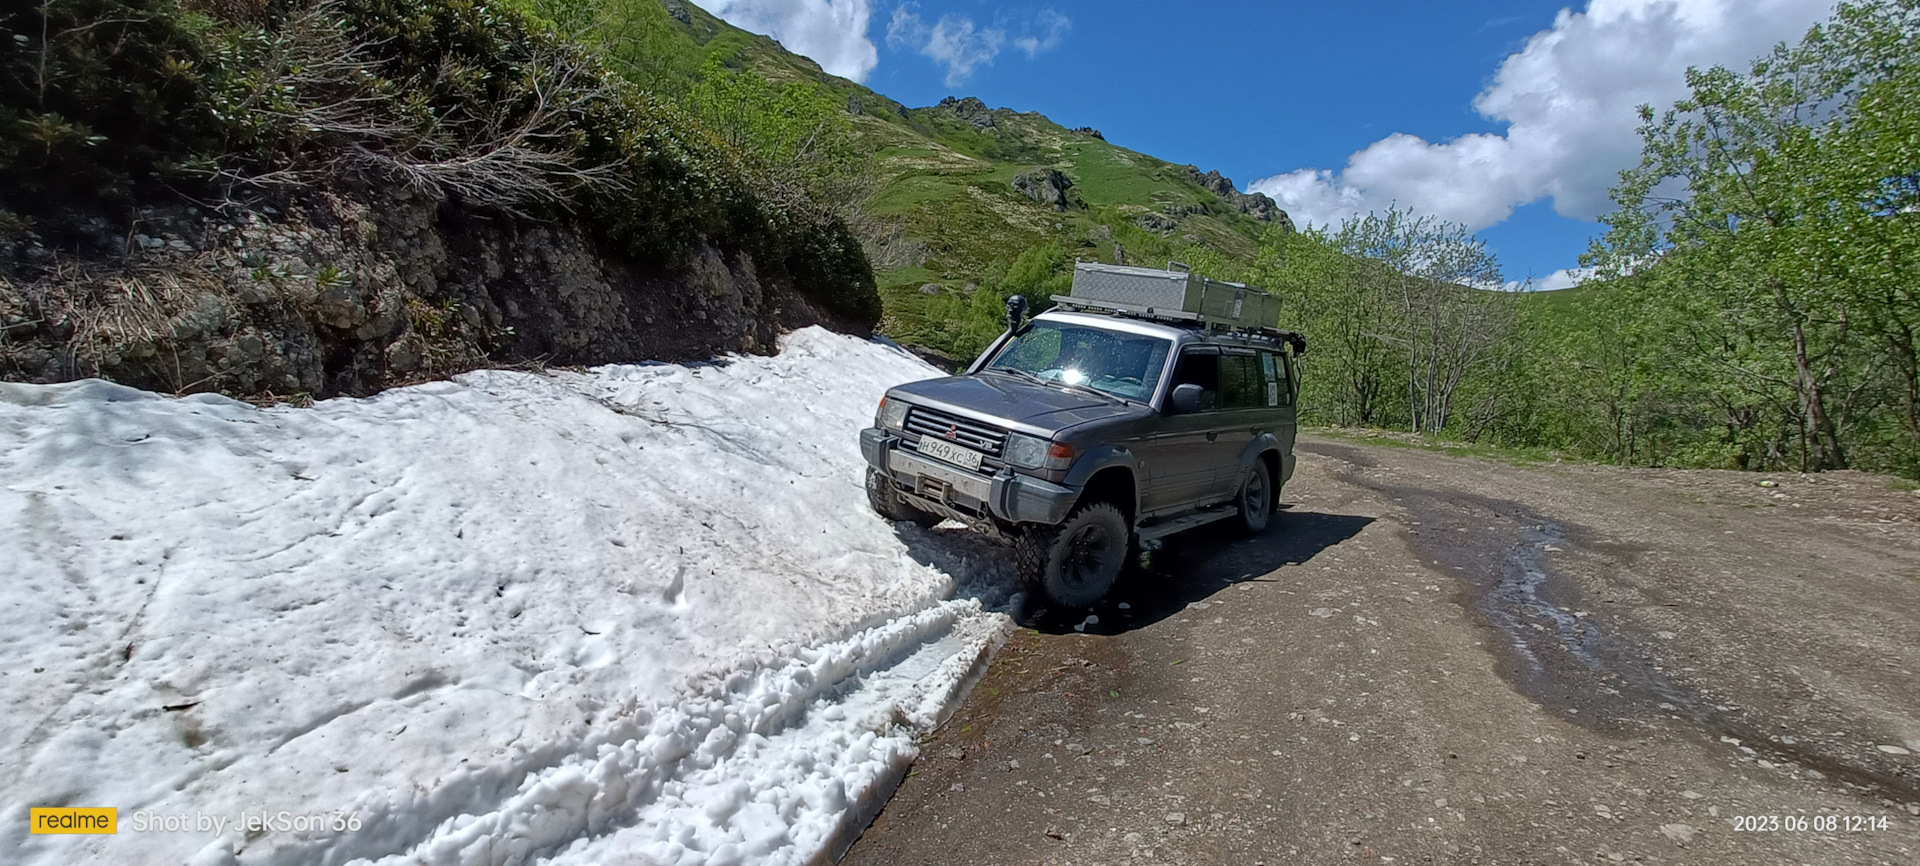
(1257, 205)
(1156, 223)
(1088, 131)
(971, 110)
(1049, 187)
(339, 294)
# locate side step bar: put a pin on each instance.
(1158, 531)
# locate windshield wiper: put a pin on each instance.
(1021, 373)
(1056, 383)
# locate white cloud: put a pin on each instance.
(1051, 26)
(1565, 278)
(961, 46)
(831, 32)
(1568, 99)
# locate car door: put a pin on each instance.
(1242, 416)
(1182, 450)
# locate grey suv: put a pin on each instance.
(1088, 429)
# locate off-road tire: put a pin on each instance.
(1075, 563)
(1255, 498)
(888, 504)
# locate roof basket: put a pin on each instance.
(1179, 298)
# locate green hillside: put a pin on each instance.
(943, 212)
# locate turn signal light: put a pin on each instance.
(1060, 451)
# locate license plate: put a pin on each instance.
(944, 450)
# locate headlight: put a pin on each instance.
(1026, 452)
(893, 414)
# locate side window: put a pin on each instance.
(1273, 370)
(1200, 368)
(1242, 385)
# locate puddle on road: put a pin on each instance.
(1573, 661)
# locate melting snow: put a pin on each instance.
(638, 613)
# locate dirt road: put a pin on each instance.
(1437, 659)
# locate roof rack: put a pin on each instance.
(1182, 318)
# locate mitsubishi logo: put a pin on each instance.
(953, 431)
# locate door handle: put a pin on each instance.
(1212, 435)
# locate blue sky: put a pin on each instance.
(1509, 117)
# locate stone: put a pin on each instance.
(1257, 205)
(971, 110)
(1048, 186)
(1156, 223)
(1681, 834)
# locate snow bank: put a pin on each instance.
(635, 614)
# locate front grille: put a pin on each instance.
(972, 434)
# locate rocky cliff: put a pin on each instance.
(346, 293)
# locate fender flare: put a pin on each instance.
(1102, 458)
(1260, 445)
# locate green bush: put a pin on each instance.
(101, 102)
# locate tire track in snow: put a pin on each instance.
(782, 764)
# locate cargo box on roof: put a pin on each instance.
(1181, 293)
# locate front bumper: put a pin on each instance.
(969, 497)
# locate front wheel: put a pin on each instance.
(1075, 563)
(1256, 498)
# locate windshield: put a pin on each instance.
(1112, 362)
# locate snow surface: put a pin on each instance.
(637, 614)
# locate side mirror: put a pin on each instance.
(1016, 311)
(1185, 398)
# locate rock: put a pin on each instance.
(930, 289)
(348, 293)
(1893, 750)
(1681, 834)
(853, 104)
(1088, 130)
(971, 110)
(1156, 223)
(1176, 818)
(1048, 186)
(954, 753)
(1257, 205)
(341, 306)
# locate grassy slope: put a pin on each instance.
(950, 184)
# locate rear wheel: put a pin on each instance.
(1075, 563)
(887, 502)
(1256, 498)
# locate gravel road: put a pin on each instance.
(1437, 659)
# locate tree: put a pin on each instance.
(1771, 222)
(1438, 280)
